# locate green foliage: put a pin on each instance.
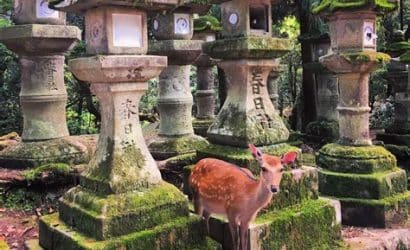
(148, 101)
(10, 115)
(20, 199)
(5, 7)
(334, 5)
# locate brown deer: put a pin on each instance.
(223, 188)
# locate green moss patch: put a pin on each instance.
(355, 159)
(108, 216)
(334, 5)
(247, 47)
(180, 233)
(53, 169)
(365, 186)
(166, 147)
(242, 156)
(207, 23)
(33, 154)
(391, 211)
(310, 225)
(366, 56)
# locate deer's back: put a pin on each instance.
(217, 181)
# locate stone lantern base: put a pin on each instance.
(297, 205)
(201, 126)
(71, 149)
(156, 219)
(367, 181)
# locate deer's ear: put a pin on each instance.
(289, 158)
(257, 154)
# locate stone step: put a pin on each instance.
(314, 224)
(363, 186)
(182, 233)
(383, 213)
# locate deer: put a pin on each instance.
(219, 187)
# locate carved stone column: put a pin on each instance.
(41, 38)
(176, 133)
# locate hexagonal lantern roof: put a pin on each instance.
(329, 6)
(193, 6)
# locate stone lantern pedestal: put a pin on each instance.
(40, 39)
(205, 29)
(397, 136)
(122, 201)
(176, 134)
(326, 127)
(365, 178)
(273, 86)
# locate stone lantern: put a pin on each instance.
(40, 38)
(360, 175)
(174, 31)
(325, 127)
(122, 201)
(246, 53)
(397, 136)
(205, 29)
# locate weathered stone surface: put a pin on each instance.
(179, 52)
(309, 225)
(122, 162)
(104, 217)
(165, 147)
(36, 11)
(247, 47)
(175, 101)
(388, 212)
(273, 86)
(353, 74)
(43, 97)
(180, 233)
(39, 39)
(205, 100)
(246, 18)
(201, 126)
(116, 30)
(351, 159)
(173, 26)
(248, 115)
(72, 150)
(363, 186)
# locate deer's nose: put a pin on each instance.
(274, 189)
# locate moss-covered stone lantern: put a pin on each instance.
(122, 201)
(365, 178)
(397, 136)
(205, 29)
(246, 53)
(174, 31)
(40, 39)
(325, 128)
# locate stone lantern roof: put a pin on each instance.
(329, 6)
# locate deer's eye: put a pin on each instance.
(281, 170)
(264, 169)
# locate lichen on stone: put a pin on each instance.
(335, 5)
(367, 56)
